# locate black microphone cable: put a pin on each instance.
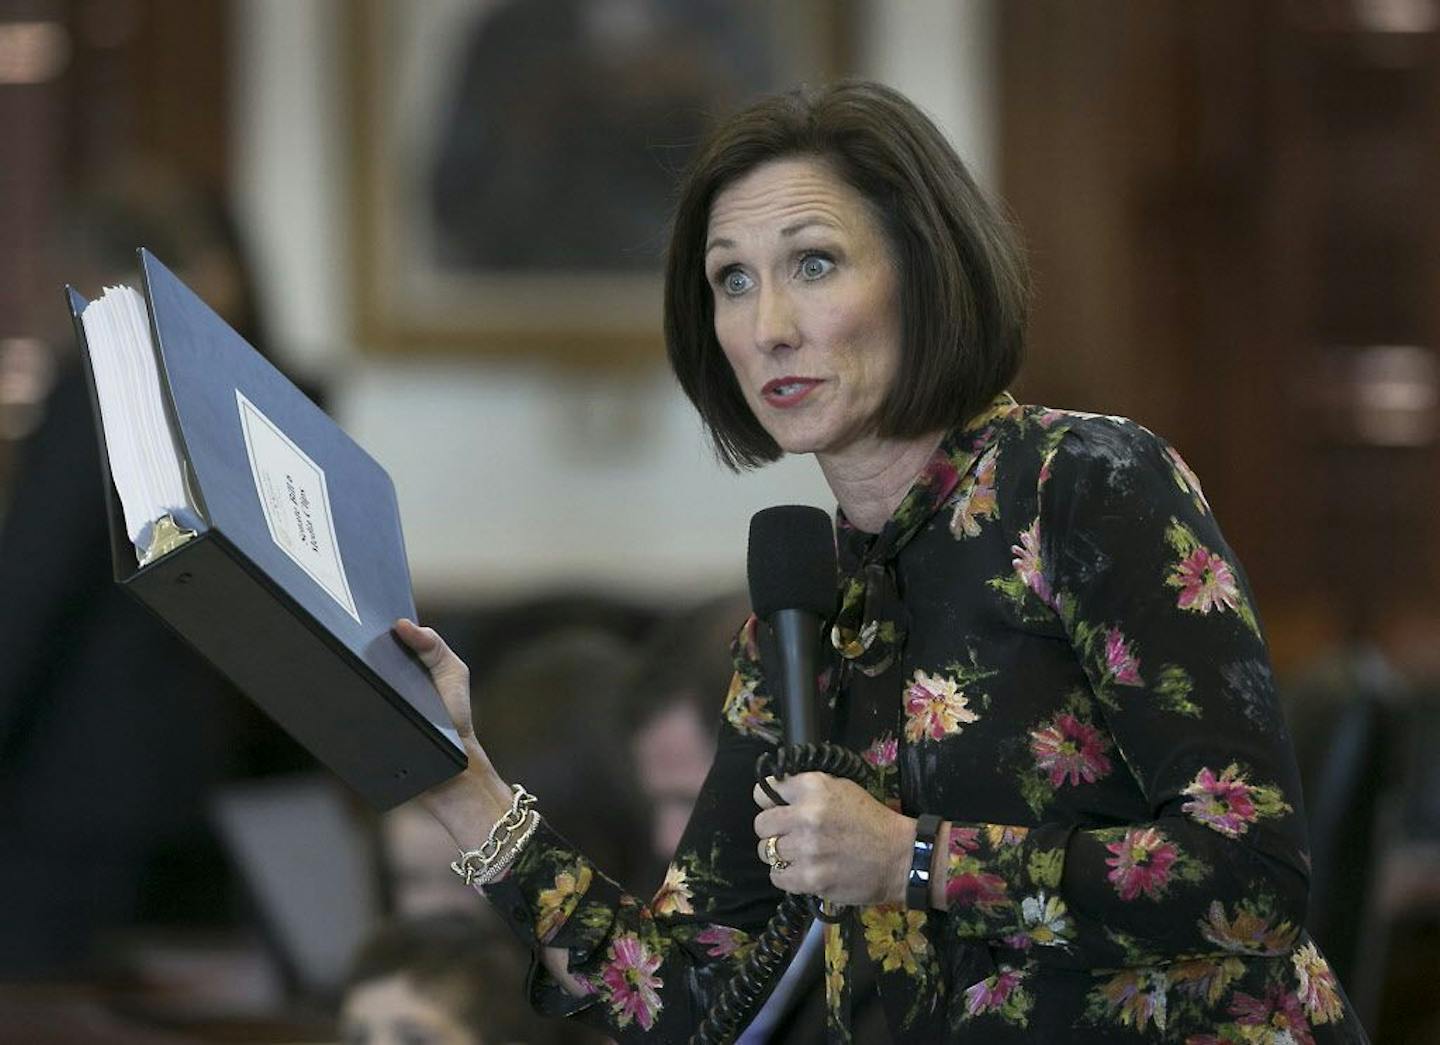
(792, 576)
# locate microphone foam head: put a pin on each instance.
(792, 561)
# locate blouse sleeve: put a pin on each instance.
(651, 969)
(1160, 615)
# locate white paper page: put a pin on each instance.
(144, 456)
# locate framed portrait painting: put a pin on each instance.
(515, 161)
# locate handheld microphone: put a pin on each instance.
(792, 588)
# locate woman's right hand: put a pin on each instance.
(470, 803)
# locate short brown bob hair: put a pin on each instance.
(964, 286)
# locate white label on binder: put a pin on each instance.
(295, 502)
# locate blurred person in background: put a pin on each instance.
(438, 979)
(1084, 820)
(684, 667)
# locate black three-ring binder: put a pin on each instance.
(345, 688)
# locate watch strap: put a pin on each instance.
(922, 855)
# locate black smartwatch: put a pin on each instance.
(917, 884)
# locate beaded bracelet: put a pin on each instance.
(509, 833)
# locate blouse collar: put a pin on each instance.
(952, 460)
(871, 622)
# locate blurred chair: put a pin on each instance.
(308, 863)
(1343, 719)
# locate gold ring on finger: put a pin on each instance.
(772, 854)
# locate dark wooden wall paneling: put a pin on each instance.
(1226, 202)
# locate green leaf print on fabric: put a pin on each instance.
(1173, 690)
(1045, 867)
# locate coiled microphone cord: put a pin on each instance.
(743, 994)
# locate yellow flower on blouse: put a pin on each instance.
(837, 958)
(893, 937)
(557, 904)
(674, 895)
(1318, 992)
(746, 710)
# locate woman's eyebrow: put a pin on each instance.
(805, 223)
(787, 231)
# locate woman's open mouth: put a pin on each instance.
(788, 391)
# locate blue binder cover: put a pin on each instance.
(298, 569)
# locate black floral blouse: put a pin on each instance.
(1051, 646)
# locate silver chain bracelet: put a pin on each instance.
(510, 832)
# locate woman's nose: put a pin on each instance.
(775, 321)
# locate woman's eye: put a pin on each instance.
(734, 282)
(813, 266)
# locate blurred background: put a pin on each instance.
(444, 220)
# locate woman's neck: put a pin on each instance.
(870, 480)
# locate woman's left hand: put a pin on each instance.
(839, 843)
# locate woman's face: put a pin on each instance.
(807, 305)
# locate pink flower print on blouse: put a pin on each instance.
(939, 475)
(1206, 582)
(630, 981)
(964, 840)
(1028, 566)
(975, 889)
(882, 752)
(992, 993)
(1121, 664)
(1222, 803)
(935, 708)
(1278, 1013)
(1069, 748)
(967, 883)
(1141, 863)
(721, 940)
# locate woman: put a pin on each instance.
(1042, 641)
